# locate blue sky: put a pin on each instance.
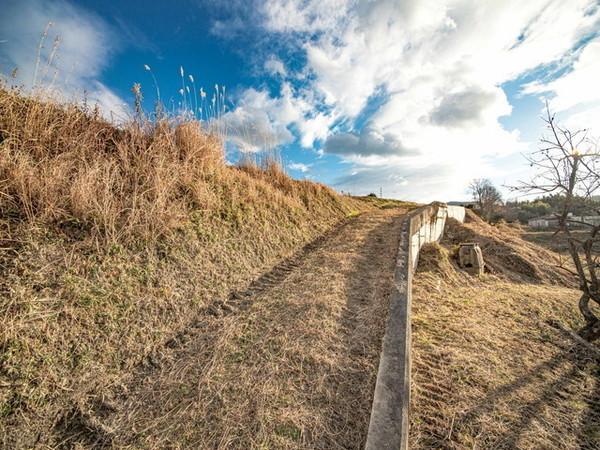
(414, 97)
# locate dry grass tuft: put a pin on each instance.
(437, 259)
(64, 165)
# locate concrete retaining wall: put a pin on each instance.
(388, 427)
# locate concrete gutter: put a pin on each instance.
(388, 427)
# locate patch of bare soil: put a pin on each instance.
(489, 369)
(289, 363)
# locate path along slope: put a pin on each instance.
(289, 363)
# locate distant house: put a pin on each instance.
(551, 221)
(543, 222)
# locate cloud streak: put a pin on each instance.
(300, 167)
(78, 47)
(576, 91)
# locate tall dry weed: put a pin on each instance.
(63, 164)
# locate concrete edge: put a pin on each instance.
(389, 422)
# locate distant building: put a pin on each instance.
(551, 221)
(543, 222)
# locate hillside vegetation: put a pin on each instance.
(292, 366)
(112, 240)
(490, 367)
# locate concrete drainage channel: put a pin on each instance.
(388, 427)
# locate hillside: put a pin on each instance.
(289, 363)
(115, 242)
(490, 368)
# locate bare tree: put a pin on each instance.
(487, 197)
(568, 164)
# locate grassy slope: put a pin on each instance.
(111, 241)
(489, 370)
(293, 369)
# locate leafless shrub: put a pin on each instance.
(568, 164)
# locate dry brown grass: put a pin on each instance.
(60, 164)
(112, 241)
(507, 255)
(289, 364)
(489, 371)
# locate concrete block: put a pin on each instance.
(470, 258)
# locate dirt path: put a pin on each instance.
(290, 363)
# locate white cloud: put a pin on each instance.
(579, 86)
(315, 128)
(440, 45)
(274, 66)
(440, 65)
(251, 130)
(227, 28)
(273, 118)
(77, 48)
(588, 118)
(303, 16)
(469, 107)
(300, 167)
(260, 122)
(370, 141)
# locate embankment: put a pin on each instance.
(113, 241)
(490, 370)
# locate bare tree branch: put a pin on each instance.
(567, 164)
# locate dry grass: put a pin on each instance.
(507, 255)
(62, 165)
(112, 241)
(488, 369)
(291, 363)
